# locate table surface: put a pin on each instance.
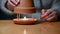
(8, 27)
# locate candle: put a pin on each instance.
(24, 31)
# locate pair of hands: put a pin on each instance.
(49, 14)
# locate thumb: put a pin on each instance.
(43, 12)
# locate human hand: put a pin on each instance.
(49, 15)
(13, 2)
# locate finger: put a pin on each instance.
(14, 2)
(52, 14)
(17, 0)
(46, 13)
(11, 3)
(43, 11)
(51, 18)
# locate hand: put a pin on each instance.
(13, 2)
(49, 15)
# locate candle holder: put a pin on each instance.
(24, 7)
(25, 22)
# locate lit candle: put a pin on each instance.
(25, 18)
(24, 31)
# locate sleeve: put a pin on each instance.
(4, 9)
(56, 6)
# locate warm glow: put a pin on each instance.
(25, 18)
(24, 31)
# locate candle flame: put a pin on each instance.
(25, 18)
(24, 31)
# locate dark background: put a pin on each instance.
(4, 16)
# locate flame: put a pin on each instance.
(25, 18)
